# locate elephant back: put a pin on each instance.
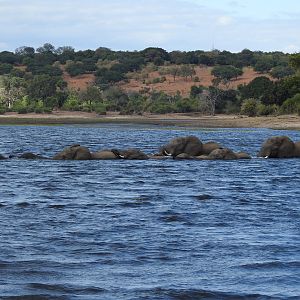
(277, 147)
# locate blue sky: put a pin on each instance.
(267, 25)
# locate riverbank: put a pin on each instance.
(189, 120)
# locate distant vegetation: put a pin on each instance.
(33, 80)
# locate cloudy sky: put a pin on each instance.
(267, 25)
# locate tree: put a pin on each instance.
(264, 64)
(13, 89)
(41, 87)
(5, 68)
(174, 71)
(224, 74)
(25, 51)
(155, 55)
(46, 48)
(195, 91)
(250, 107)
(211, 97)
(261, 88)
(7, 57)
(187, 70)
(294, 61)
(279, 72)
(91, 95)
(75, 68)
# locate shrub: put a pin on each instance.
(249, 107)
(291, 105)
(2, 110)
(22, 110)
(100, 109)
(72, 103)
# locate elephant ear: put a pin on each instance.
(287, 148)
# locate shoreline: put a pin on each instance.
(284, 122)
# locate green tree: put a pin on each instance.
(264, 64)
(224, 74)
(40, 87)
(92, 95)
(250, 107)
(75, 68)
(279, 72)
(186, 71)
(261, 88)
(294, 61)
(5, 68)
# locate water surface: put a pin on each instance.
(146, 229)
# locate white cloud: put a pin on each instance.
(136, 24)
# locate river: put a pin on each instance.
(146, 229)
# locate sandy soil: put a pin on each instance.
(191, 120)
(171, 87)
(184, 86)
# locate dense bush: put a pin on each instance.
(249, 107)
(291, 105)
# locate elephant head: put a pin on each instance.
(130, 154)
(277, 147)
(190, 145)
(74, 152)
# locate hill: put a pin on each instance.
(152, 80)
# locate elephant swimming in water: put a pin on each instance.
(74, 152)
(190, 145)
(279, 147)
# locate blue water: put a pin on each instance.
(146, 229)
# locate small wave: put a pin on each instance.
(172, 217)
(203, 197)
(67, 288)
(57, 206)
(272, 264)
(209, 295)
(34, 297)
(23, 204)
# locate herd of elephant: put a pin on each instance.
(189, 147)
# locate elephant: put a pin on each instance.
(242, 155)
(29, 155)
(297, 149)
(279, 147)
(190, 145)
(130, 154)
(74, 152)
(183, 156)
(224, 154)
(209, 147)
(104, 155)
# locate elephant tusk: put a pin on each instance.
(167, 153)
(121, 156)
(266, 156)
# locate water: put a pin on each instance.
(146, 229)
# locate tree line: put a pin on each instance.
(31, 80)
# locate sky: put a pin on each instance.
(266, 25)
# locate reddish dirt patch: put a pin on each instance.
(79, 83)
(183, 86)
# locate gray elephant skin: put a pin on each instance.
(279, 147)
